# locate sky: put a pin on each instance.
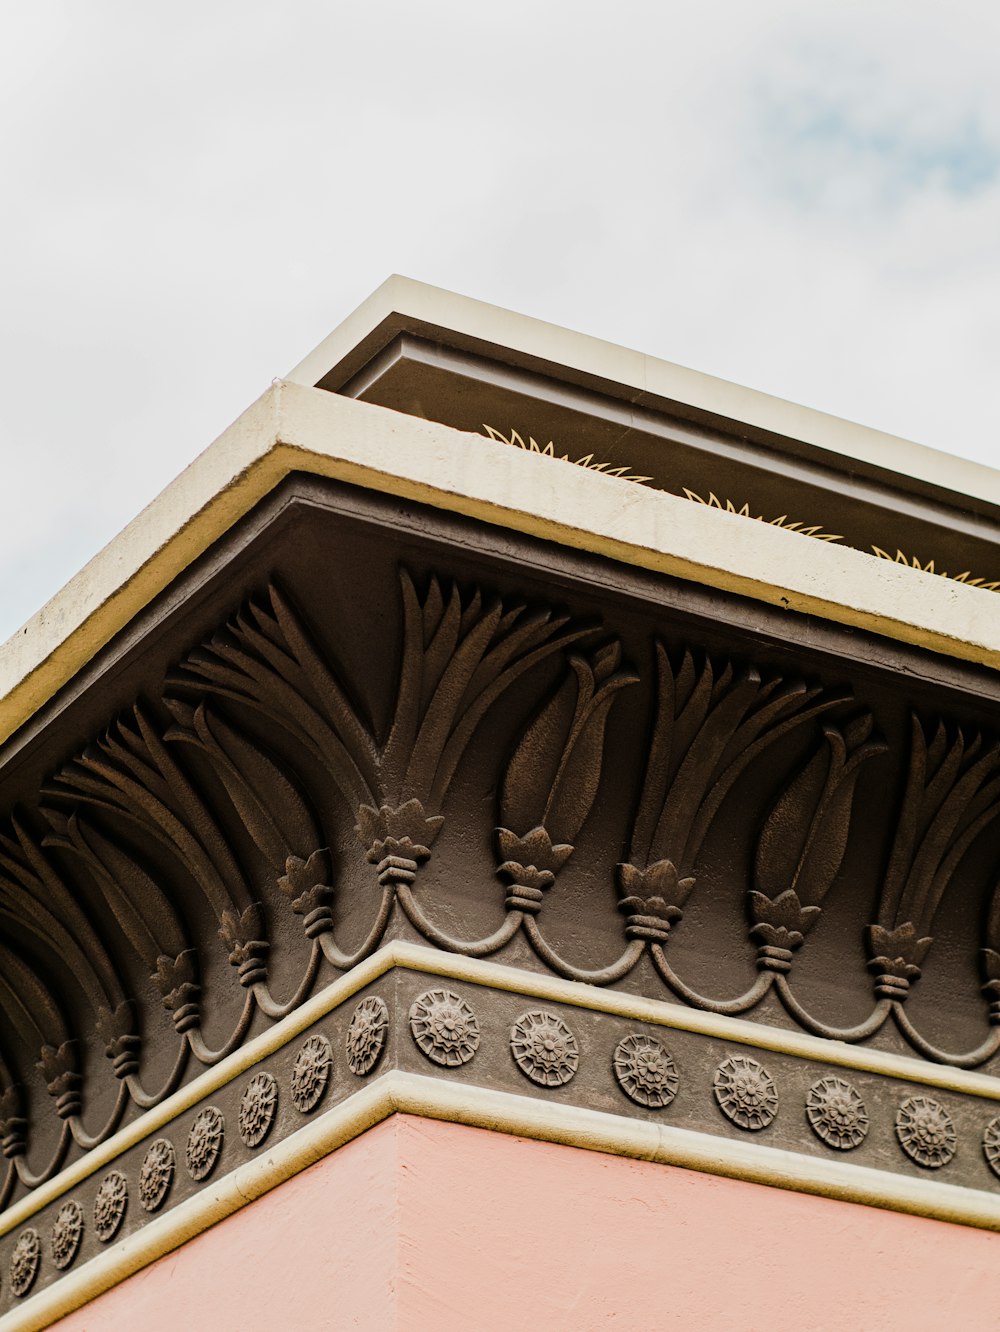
(802, 198)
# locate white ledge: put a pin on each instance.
(642, 374)
(292, 428)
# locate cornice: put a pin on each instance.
(381, 766)
(401, 303)
(554, 990)
(291, 756)
(296, 429)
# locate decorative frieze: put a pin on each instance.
(561, 1046)
(260, 801)
(627, 790)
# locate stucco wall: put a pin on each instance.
(427, 1225)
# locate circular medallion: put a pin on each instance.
(544, 1048)
(837, 1114)
(156, 1174)
(366, 1035)
(67, 1232)
(109, 1206)
(257, 1109)
(645, 1071)
(444, 1027)
(746, 1093)
(925, 1132)
(204, 1142)
(25, 1261)
(311, 1073)
(991, 1145)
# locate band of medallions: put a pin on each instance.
(541, 1048)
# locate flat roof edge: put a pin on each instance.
(595, 357)
(297, 429)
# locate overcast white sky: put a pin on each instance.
(801, 197)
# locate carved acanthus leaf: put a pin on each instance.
(711, 723)
(245, 935)
(952, 795)
(553, 776)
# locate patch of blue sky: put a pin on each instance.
(813, 145)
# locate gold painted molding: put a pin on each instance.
(928, 566)
(586, 460)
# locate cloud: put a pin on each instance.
(802, 198)
(832, 118)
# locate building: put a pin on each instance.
(509, 838)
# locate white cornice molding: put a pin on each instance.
(643, 374)
(297, 429)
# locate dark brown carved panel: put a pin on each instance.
(356, 721)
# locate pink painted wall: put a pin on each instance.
(439, 1228)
